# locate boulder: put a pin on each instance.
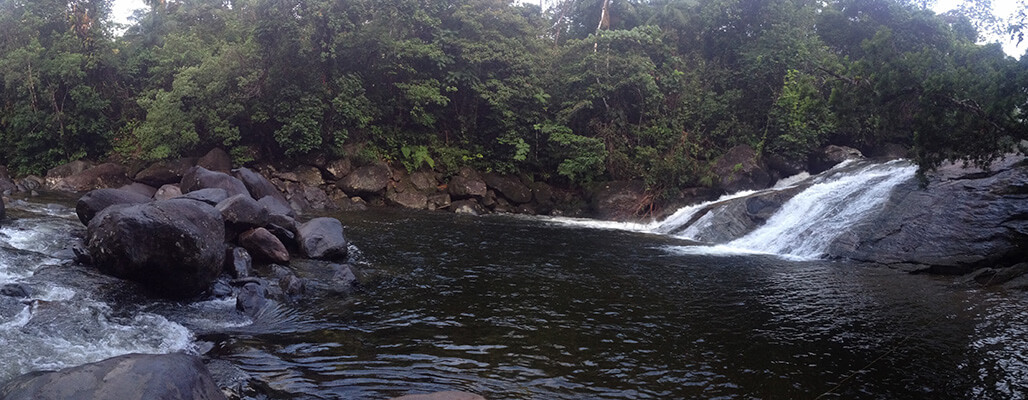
(212, 196)
(216, 160)
(619, 200)
(424, 181)
(264, 246)
(731, 219)
(101, 176)
(276, 206)
(165, 172)
(58, 173)
(740, 169)
(166, 192)
(338, 169)
(241, 212)
(405, 195)
(371, 179)
(830, 156)
(95, 201)
(141, 188)
(962, 220)
(510, 187)
(173, 247)
(198, 177)
(258, 186)
(466, 184)
(252, 298)
(439, 201)
(322, 239)
(308, 175)
(127, 377)
(7, 186)
(30, 183)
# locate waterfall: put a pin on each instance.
(825, 207)
(808, 223)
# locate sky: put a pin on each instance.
(123, 10)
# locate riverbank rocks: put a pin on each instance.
(322, 239)
(369, 179)
(466, 184)
(105, 175)
(619, 200)
(963, 219)
(173, 247)
(173, 376)
(165, 172)
(830, 156)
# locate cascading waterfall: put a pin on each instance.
(808, 223)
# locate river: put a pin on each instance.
(515, 307)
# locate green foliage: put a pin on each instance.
(801, 117)
(582, 158)
(416, 156)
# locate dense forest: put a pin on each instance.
(654, 90)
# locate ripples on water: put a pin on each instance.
(516, 308)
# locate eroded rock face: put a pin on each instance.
(467, 184)
(619, 200)
(963, 219)
(510, 187)
(165, 172)
(173, 247)
(832, 155)
(128, 377)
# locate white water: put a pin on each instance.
(808, 223)
(802, 228)
(60, 325)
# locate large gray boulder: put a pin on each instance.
(322, 239)
(467, 184)
(961, 220)
(830, 156)
(510, 187)
(370, 179)
(165, 172)
(173, 376)
(260, 187)
(173, 247)
(95, 201)
(198, 177)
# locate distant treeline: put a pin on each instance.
(587, 90)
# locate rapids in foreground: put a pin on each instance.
(517, 308)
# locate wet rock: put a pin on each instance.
(238, 263)
(371, 179)
(291, 285)
(17, 290)
(7, 186)
(95, 201)
(510, 187)
(252, 298)
(405, 195)
(308, 175)
(619, 200)
(339, 169)
(322, 239)
(173, 247)
(961, 221)
(468, 207)
(166, 192)
(343, 276)
(141, 188)
(241, 212)
(105, 175)
(128, 377)
(3, 209)
(198, 177)
(830, 156)
(30, 183)
(221, 289)
(740, 169)
(728, 220)
(264, 246)
(165, 172)
(451, 395)
(216, 160)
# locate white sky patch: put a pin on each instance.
(123, 9)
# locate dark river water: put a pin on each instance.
(530, 308)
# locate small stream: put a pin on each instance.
(533, 308)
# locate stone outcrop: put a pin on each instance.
(830, 156)
(370, 179)
(105, 175)
(198, 177)
(173, 376)
(322, 239)
(740, 169)
(963, 219)
(95, 201)
(165, 172)
(619, 200)
(173, 247)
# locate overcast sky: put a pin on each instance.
(123, 10)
